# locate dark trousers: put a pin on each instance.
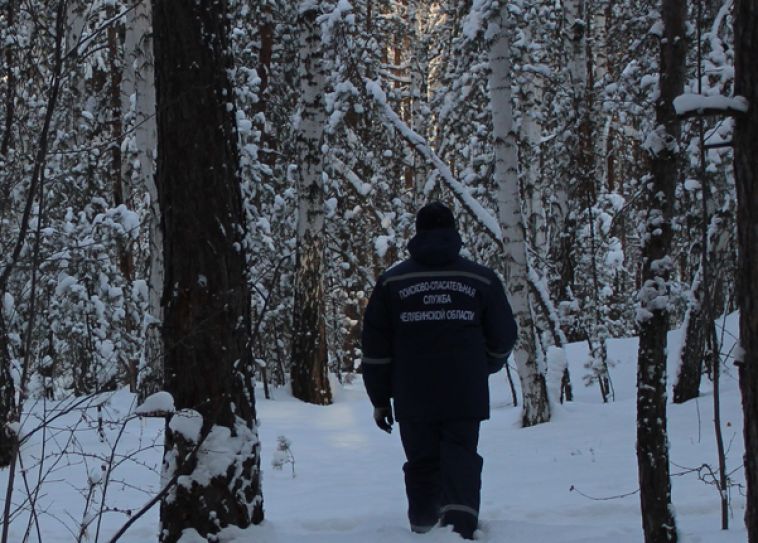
(443, 474)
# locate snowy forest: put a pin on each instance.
(196, 199)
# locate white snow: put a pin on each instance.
(691, 184)
(381, 245)
(538, 483)
(160, 402)
(187, 423)
(686, 103)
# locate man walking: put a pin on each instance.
(435, 327)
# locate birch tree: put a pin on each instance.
(536, 408)
(745, 151)
(654, 296)
(140, 87)
(211, 442)
(309, 369)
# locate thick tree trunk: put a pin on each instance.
(310, 381)
(206, 330)
(745, 153)
(536, 408)
(653, 316)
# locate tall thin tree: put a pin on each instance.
(309, 353)
(653, 314)
(536, 407)
(206, 329)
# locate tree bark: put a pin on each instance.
(700, 315)
(206, 329)
(10, 81)
(8, 437)
(309, 371)
(536, 408)
(7, 386)
(745, 151)
(653, 315)
(140, 26)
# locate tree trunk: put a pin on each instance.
(140, 25)
(418, 63)
(206, 330)
(653, 315)
(10, 82)
(310, 381)
(700, 315)
(692, 355)
(536, 408)
(8, 437)
(745, 151)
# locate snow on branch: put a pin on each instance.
(490, 223)
(693, 105)
(360, 186)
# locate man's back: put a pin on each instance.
(444, 323)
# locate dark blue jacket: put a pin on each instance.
(435, 327)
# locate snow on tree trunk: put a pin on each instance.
(309, 351)
(211, 445)
(745, 151)
(653, 297)
(536, 408)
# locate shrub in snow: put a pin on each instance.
(283, 454)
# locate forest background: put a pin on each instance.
(586, 146)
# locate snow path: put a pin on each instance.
(348, 484)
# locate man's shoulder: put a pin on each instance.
(411, 269)
(406, 266)
(474, 267)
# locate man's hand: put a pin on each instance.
(383, 418)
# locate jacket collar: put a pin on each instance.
(435, 247)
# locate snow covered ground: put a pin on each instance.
(348, 486)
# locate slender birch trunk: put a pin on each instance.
(536, 408)
(309, 370)
(140, 56)
(653, 314)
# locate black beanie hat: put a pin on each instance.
(433, 216)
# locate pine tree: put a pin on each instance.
(206, 330)
(745, 151)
